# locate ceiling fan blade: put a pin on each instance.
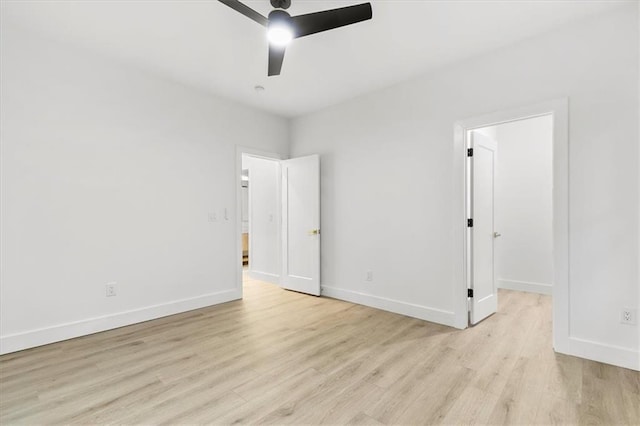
(304, 25)
(276, 56)
(246, 11)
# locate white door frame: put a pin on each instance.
(240, 150)
(559, 110)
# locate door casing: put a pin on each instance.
(559, 110)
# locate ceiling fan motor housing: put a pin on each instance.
(281, 4)
(279, 17)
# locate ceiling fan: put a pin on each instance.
(282, 27)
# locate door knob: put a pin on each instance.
(314, 232)
(496, 235)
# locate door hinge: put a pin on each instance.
(469, 292)
(470, 223)
(470, 152)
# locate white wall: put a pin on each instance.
(387, 162)
(264, 230)
(524, 216)
(108, 174)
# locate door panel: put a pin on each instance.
(301, 224)
(483, 282)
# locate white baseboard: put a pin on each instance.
(43, 336)
(264, 276)
(416, 311)
(608, 354)
(526, 286)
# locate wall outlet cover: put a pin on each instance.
(629, 316)
(110, 289)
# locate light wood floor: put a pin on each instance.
(285, 358)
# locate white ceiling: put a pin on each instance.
(205, 44)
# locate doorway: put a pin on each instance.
(278, 220)
(509, 193)
(464, 133)
(258, 221)
(261, 218)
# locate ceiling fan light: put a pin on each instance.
(279, 35)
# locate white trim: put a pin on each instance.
(559, 109)
(265, 276)
(609, 354)
(238, 183)
(459, 234)
(529, 287)
(43, 336)
(409, 309)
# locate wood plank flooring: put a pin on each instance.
(280, 357)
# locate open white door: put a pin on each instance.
(301, 224)
(484, 301)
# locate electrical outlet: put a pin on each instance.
(629, 316)
(213, 217)
(110, 289)
(369, 276)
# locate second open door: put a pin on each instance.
(484, 301)
(301, 224)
